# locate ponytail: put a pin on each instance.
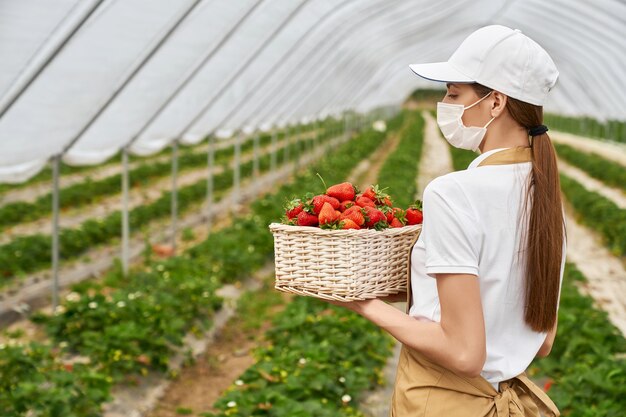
(545, 231)
(545, 235)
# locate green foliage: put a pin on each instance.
(319, 359)
(586, 126)
(130, 325)
(399, 171)
(36, 383)
(74, 242)
(597, 212)
(609, 172)
(587, 362)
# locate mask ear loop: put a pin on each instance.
(472, 105)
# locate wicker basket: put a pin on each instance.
(342, 265)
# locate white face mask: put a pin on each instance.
(451, 125)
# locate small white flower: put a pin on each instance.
(160, 268)
(59, 310)
(239, 382)
(73, 297)
(93, 304)
(346, 398)
(231, 404)
(205, 294)
(2, 346)
(63, 345)
(342, 379)
(121, 304)
(166, 275)
(302, 361)
(131, 296)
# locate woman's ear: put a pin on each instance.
(499, 103)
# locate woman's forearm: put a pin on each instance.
(429, 338)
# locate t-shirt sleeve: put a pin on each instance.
(451, 233)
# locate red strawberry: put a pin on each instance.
(327, 214)
(377, 195)
(342, 192)
(353, 215)
(414, 213)
(369, 193)
(319, 200)
(307, 219)
(349, 224)
(374, 218)
(293, 208)
(396, 223)
(364, 201)
(393, 213)
(346, 205)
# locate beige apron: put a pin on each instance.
(425, 389)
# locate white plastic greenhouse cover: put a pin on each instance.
(84, 78)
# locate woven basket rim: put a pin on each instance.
(280, 227)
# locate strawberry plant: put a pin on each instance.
(586, 367)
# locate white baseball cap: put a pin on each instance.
(500, 58)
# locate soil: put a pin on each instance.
(199, 386)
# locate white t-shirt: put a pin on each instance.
(472, 225)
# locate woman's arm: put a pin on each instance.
(457, 342)
(546, 347)
(394, 298)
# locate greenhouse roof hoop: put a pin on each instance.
(86, 78)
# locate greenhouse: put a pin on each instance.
(308, 208)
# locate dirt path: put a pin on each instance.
(226, 358)
(612, 193)
(610, 150)
(436, 159)
(137, 197)
(606, 274)
(34, 291)
(201, 384)
(366, 172)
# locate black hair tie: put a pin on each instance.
(537, 130)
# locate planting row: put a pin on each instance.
(586, 369)
(400, 169)
(89, 192)
(46, 174)
(609, 172)
(30, 253)
(598, 213)
(320, 358)
(586, 126)
(129, 326)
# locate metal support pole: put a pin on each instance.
(274, 152)
(174, 193)
(209, 181)
(287, 145)
(237, 168)
(125, 221)
(255, 163)
(298, 143)
(56, 162)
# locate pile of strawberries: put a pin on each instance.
(344, 207)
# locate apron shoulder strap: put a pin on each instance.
(514, 155)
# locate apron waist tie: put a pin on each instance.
(509, 404)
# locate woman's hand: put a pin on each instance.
(357, 306)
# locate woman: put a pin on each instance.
(485, 273)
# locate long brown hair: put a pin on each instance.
(546, 225)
